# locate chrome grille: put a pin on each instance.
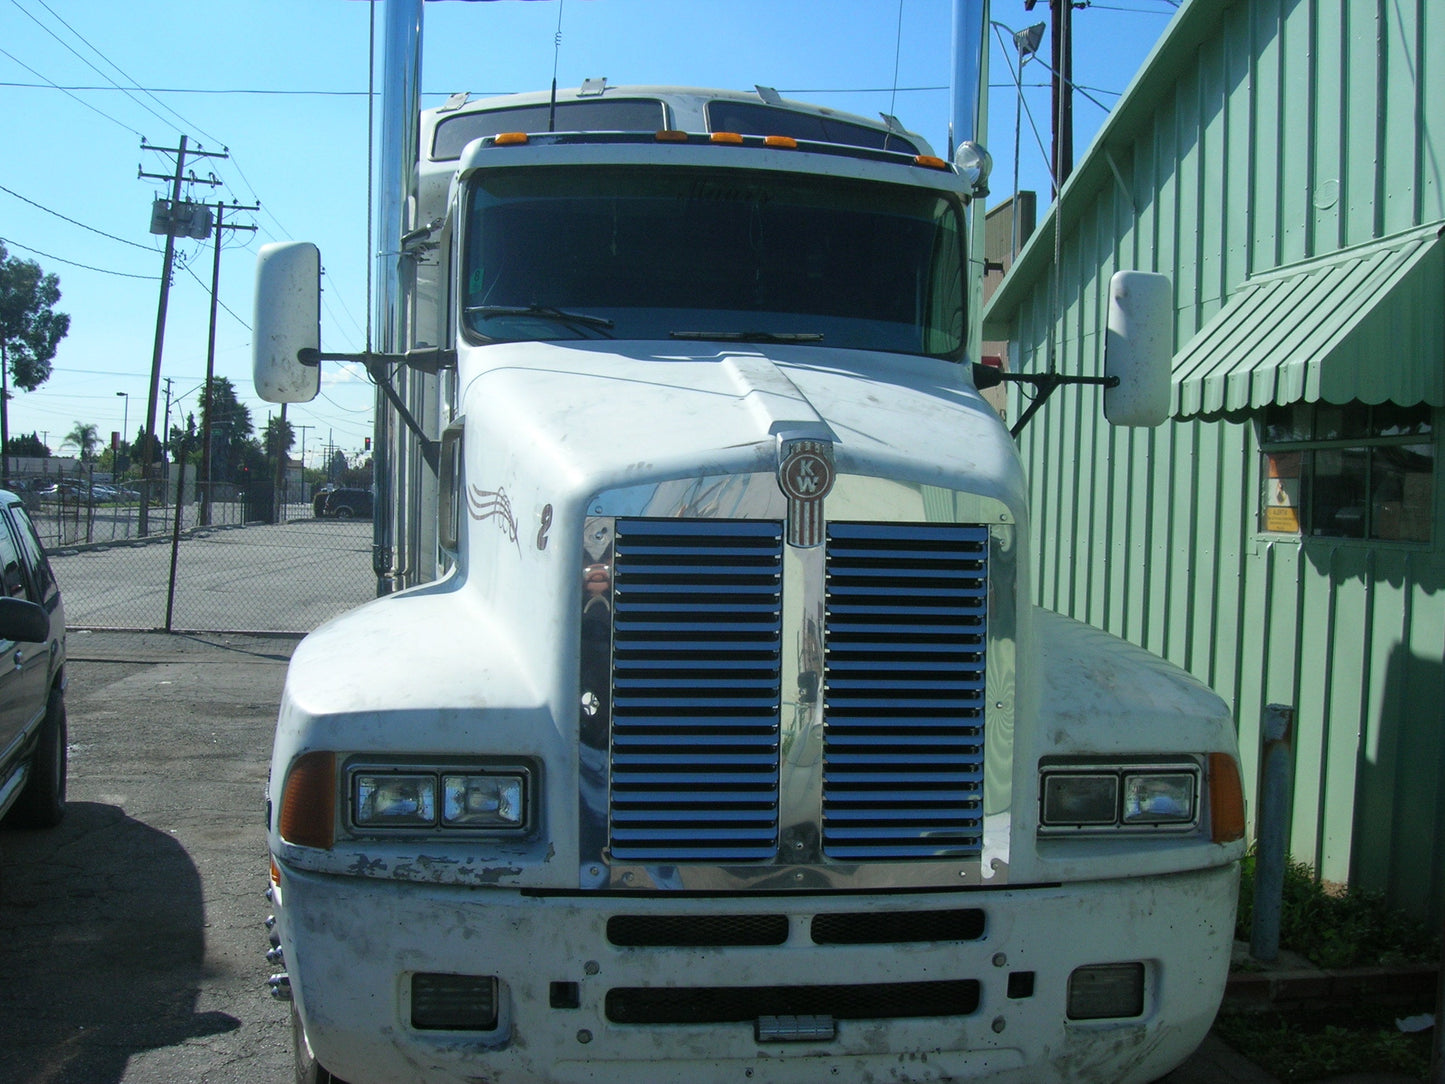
(697, 627)
(904, 634)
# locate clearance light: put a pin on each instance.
(730, 138)
(308, 801)
(928, 161)
(670, 135)
(511, 139)
(785, 142)
(1226, 799)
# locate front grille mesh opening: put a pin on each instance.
(897, 927)
(739, 1004)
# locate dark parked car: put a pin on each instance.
(348, 503)
(32, 690)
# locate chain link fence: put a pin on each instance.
(225, 558)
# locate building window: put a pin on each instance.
(1348, 471)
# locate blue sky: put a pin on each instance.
(280, 84)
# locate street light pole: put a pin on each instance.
(124, 426)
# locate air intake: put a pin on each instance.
(697, 628)
(905, 633)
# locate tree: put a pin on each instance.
(83, 438)
(30, 330)
(27, 444)
(230, 424)
(279, 438)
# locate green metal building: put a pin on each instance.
(1282, 536)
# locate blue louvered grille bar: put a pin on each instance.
(697, 631)
(905, 632)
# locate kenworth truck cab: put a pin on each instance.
(729, 744)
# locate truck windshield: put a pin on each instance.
(680, 254)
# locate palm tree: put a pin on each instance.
(85, 438)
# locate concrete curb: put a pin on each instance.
(1300, 987)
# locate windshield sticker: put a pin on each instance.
(485, 504)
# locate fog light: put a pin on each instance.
(1104, 991)
(453, 1002)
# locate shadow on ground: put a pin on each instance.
(105, 930)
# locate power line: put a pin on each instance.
(73, 263)
(58, 87)
(73, 222)
(88, 64)
(185, 123)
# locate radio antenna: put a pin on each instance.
(556, 56)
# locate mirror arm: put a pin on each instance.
(376, 364)
(985, 376)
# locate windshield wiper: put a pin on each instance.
(752, 336)
(546, 312)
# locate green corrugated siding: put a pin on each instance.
(1261, 134)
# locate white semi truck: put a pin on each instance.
(728, 744)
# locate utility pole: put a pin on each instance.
(1062, 60)
(203, 479)
(303, 428)
(172, 218)
(166, 425)
(278, 436)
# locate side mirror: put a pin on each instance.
(287, 321)
(23, 621)
(1139, 349)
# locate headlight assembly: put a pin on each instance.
(1098, 797)
(442, 797)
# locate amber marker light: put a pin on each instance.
(275, 872)
(1226, 799)
(730, 138)
(670, 135)
(511, 139)
(929, 161)
(308, 801)
(787, 143)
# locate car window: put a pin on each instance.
(12, 573)
(34, 552)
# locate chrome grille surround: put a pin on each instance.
(919, 846)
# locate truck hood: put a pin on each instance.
(613, 414)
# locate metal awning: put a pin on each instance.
(1364, 323)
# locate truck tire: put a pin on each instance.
(342, 511)
(308, 1069)
(42, 803)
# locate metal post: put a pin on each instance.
(176, 531)
(1275, 773)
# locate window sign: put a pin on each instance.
(1348, 471)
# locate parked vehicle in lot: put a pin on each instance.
(32, 690)
(348, 503)
(318, 500)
